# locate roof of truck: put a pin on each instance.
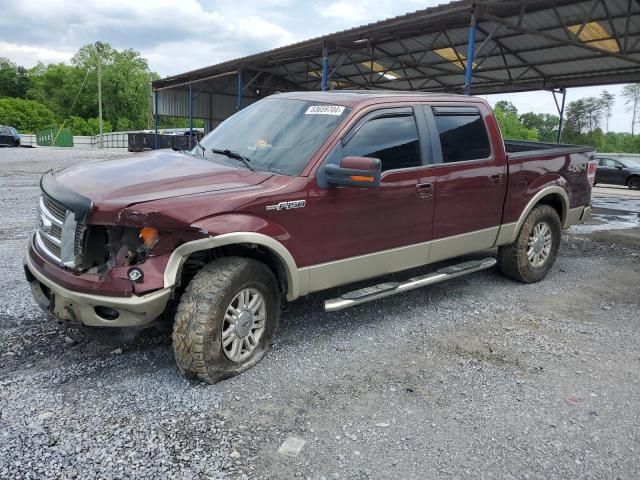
(351, 98)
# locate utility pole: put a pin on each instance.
(99, 51)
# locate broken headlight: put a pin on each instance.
(112, 246)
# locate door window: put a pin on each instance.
(607, 162)
(391, 138)
(463, 135)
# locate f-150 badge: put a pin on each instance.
(287, 205)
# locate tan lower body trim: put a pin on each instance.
(353, 269)
(349, 270)
(450, 247)
(574, 215)
(507, 234)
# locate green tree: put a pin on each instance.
(631, 95)
(510, 124)
(125, 84)
(506, 107)
(575, 123)
(125, 87)
(608, 101)
(89, 126)
(58, 85)
(544, 123)
(25, 115)
(14, 80)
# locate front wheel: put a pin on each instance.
(534, 252)
(634, 183)
(226, 319)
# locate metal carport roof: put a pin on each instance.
(514, 46)
(526, 45)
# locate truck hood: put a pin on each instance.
(152, 176)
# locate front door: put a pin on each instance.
(370, 231)
(610, 171)
(471, 181)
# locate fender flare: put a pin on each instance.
(180, 254)
(545, 192)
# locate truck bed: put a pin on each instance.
(531, 164)
(525, 148)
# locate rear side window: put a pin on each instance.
(463, 135)
(391, 138)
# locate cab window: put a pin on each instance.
(463, 135)
(391, 138)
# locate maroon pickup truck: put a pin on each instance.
(297, 193)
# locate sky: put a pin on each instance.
(181, 35)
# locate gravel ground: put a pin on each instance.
(479, 377)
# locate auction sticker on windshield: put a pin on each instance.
(324, 110)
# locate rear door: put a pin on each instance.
(471, 180)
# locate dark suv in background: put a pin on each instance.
(9, 137)
(619, 171)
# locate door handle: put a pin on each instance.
(424, 190)
(495, 179)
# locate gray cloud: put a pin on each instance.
(176, 34)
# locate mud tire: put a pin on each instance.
(197, 330)
(512, 259)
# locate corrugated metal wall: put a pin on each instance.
(213, 108)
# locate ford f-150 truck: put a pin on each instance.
(297, 193)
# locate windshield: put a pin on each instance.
(627, 162)
(275, 134)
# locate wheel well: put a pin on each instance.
(197, 260)
(555, 202)
(631, 177)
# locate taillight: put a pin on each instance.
(591, 172)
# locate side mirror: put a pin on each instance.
(361, 172)
(619, 167)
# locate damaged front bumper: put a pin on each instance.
(89, 309)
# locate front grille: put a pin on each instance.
(78, 241)
(56, 231)
(55, 208)
(51, 247)
(53, 222)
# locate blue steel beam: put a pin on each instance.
(325, 67)
(470, 55)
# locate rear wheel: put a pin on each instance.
(226, 319)
(534, 252)
(634, 183)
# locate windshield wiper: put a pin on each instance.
(235, 155)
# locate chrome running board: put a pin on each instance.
(383, 290)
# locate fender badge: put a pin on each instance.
(287, 205)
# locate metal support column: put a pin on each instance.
(155, 114)
(325, 67)
(190, 117)
(470, 55)
(560, 111)
(239, 100)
